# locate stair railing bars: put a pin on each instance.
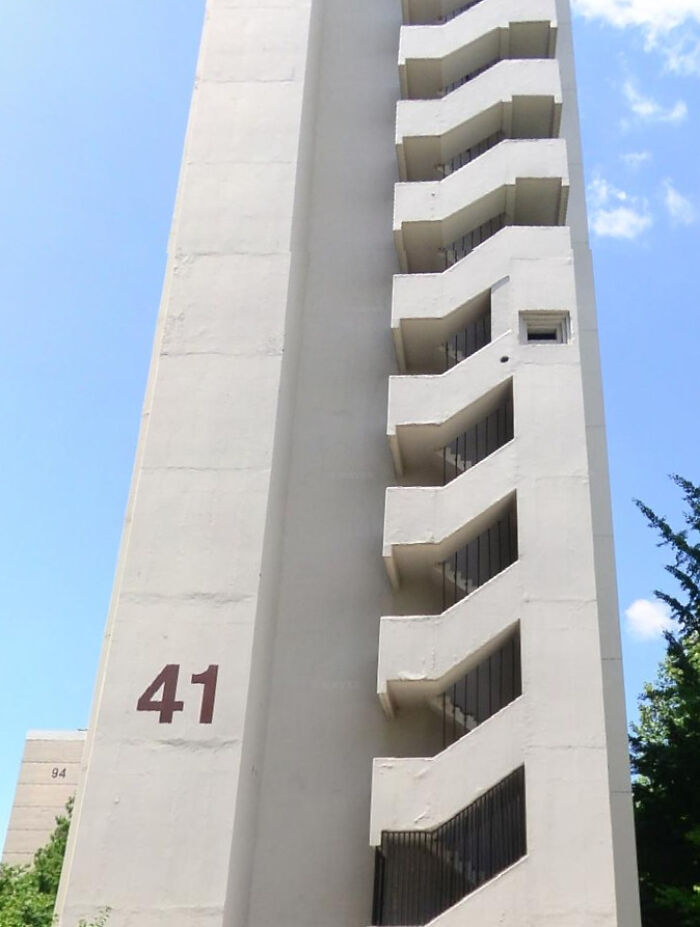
(471, 154)
(446, 17)
(465, 245)
(468, 341)
(479, 442)
(485, 690)
(473, 565)
(420, 874)
(448, 88)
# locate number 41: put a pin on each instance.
(168, 703)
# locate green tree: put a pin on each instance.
(28, 893)
(665, 743)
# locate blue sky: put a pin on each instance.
(93, 104)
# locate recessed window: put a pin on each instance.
(543, 334)
(544, 327)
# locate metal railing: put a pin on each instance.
(467, 450)
(420, 874)
(489, 687)
(446, 17)
(488, 554)
(448, 88)
(466, 157)
(465, 245)
(468, 341)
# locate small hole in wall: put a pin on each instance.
(505, 359)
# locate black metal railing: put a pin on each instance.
(420, 874)
(482, 439)
(468, 341)
(486, 689)
(466, 157)
(448, 88)
(465, 245)
(488, 554)
(446, 17)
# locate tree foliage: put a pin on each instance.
(28, 893)
(665, 742)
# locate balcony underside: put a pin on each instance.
(525, 182)
(424, 526)
(433, 12)
(425, 413)
(433, 57)
(418, 448)
(428, 308)
(522, 99)
(418, 793)
(420, 656)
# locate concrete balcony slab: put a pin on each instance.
(420, 793)
(424, 525)
(433, 56)
(521, 98)
(421, 655)
(428, 308)
(526, 182)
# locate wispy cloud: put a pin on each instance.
(647, 620)
(636, 159)
(671, 27)
(680, 209)
(647, 109)
(615, 213)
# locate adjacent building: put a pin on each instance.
(48, 778)
(362, 663)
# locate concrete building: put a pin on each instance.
(244, 766)
(48, 777)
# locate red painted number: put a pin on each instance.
(167, 704)
(208, 680)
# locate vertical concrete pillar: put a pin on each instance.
(168, 784)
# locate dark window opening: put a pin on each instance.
(491, 685)
(420, 874)
(551, 334)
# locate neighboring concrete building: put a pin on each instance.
(48, 777)
(229, 777)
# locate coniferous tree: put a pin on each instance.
(665, 742)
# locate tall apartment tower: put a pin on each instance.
(350, 681)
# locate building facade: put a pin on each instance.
(48, 778)
(351, 680)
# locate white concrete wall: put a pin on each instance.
(253, 535)
(567, 728)
(450, 38)
(164, 812)
(601, 514)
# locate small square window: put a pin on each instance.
(544, 327)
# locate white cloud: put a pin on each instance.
(615, 213)
(622, 222)
(669, 26)
(647, 109)
(647, 620)
(656, 15)
(635, 159)
(680, 209)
